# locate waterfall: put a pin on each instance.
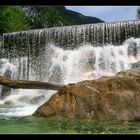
(65, 55)
(70, 37)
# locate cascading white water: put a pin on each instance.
(65, 66)
(71, 37)
(88, 62)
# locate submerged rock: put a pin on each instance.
(24, 99)
(133, 48)
(12, 104)
(107, 98)
(9, 103)
(37, 99)
(6, 91)
(136, 65)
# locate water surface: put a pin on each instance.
(41, 125)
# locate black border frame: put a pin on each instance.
(73, 3)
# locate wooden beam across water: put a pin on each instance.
(25, 84)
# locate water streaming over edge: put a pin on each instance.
(64, 66)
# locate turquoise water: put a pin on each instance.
(65, 126)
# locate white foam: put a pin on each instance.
(67, 66)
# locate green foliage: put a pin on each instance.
(48, 16)
(81, 19)
(52, 16)
(138, 13)
(17, 18)
(12, 19)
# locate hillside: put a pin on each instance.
(17, 18)
(52, 16)
(81, 19)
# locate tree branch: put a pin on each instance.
(25, 84)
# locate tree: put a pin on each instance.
(47, 16)
(138, 13)
(25, 84)
(12, 19)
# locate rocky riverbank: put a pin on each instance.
(107, 98)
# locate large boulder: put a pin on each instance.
(107, 98)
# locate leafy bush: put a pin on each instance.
(12, 19)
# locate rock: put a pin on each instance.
(2, 62)
(9, 103)
(24, 99)
(12, 104)
(106, 98)
(56, 74)
(87, 62)
(6, 91)
(136, 65)
(30, 99)
(133, 48)
(8, 73)
(37, 99)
